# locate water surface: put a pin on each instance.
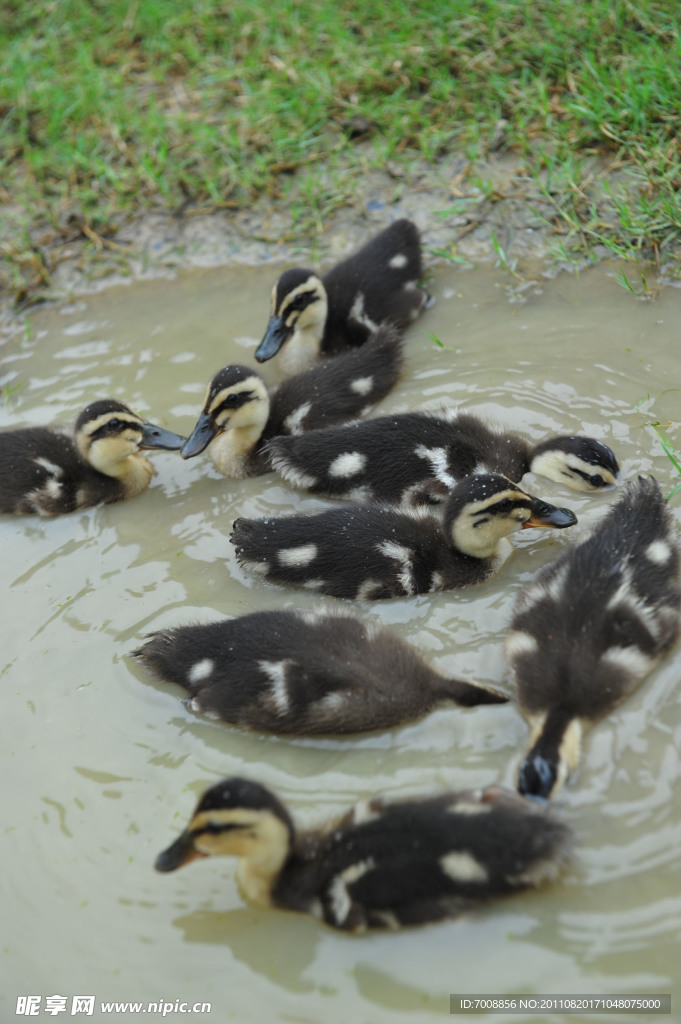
(102, 767)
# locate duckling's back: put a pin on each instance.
(392, 863)
(42, 472)
(377, 284)
(593, 623)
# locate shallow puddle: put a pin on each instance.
(103, 767)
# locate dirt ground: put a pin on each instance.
(504, 216)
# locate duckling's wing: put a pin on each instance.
(383, 459)
(337, 390)
(592, 624)
(366, 552)
(43, 472)
(379, 283)
(393, 864)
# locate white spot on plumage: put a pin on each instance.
(399, 553)
(398, 261)
(519, 643)
(341, 904)
(50, 467)
(630, 659)
(360, 494)
(200, 670)
(292, 474)
(53, 488)
(276, 673)
(300, 555)
(294, 421)
(362, 385)
(469, 809)
(347, 464)
(314, 584)
(331, 701)
(658, 552)
(463, 867)
(437, 457)
(359, 313)
(367, 589)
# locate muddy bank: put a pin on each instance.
(490, 212)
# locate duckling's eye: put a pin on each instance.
(597, 480)
(116, 424)
(505, 505)
(231, 401)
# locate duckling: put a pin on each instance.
(385, 863)
(316, 316)
(304, 673)
(591, 626)
(239, 416)
(48, 473)
(371, 551)
(417, 457)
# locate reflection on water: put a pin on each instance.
(106, 765)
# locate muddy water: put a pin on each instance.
(102, 767)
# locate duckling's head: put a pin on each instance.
(579, 462)
(236, 400)
(107, 433)
(237, 818)
(484, 508)
(299, 310)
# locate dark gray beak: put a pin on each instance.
(276, 334)
(157, 437)
(181, 852)
(537, 778)
(201, 436)
(543, 514)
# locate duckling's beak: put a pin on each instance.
(276, 334)
(157, 437)
(543, 514)
(536, 778)
(181, 852)
(203, 433)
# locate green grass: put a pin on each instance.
(672, 454)
(107, 109)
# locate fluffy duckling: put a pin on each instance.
(316, 316)
(417, 457)
(323, 672)
(48, 473)
(591, 626)
(371, 551)
(384, 864)
(239, 416)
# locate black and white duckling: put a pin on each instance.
(239, 416)
(384, 864)
(368, 552)
(303, 672)
(316, 316)
(591, 626)
(48, 473)
(417, 457)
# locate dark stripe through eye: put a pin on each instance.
(301, 301)
(216, 830)
(113, 426)
(235, 400)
